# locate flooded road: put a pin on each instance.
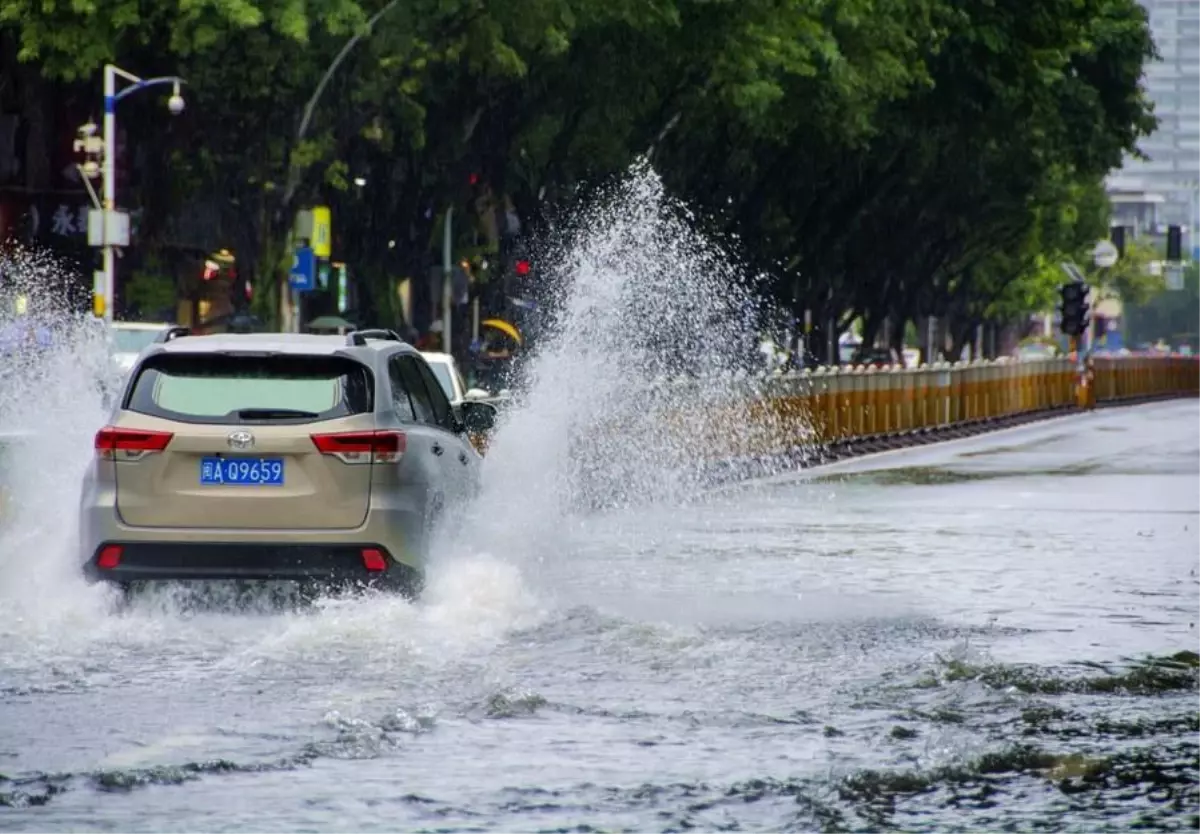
(998, 632)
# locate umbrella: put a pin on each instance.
(504, 327)
(330, 323)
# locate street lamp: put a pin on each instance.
(112, 230)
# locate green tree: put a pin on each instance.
(903, 222)
(1172, 316)
(876, 159)
(1131, 279)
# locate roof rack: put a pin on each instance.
(172, 333)
(358, 338)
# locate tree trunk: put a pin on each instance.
(37, 97)
(960, 336)
(871, 325)
(896, 342)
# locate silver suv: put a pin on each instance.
(276, 456)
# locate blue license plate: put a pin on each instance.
(241, 471)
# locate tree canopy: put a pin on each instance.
(873, 159)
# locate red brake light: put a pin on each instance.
(110, 557)
(522, 268)
(373, 560)
(362, 446)
(130, 444)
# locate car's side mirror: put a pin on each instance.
(478, 417)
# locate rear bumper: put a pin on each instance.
(339, 563)
(395, 524)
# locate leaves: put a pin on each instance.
(874, 158)
(1132, 279)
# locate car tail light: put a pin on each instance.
(130, 444)
(109, 558)
(362, 446)
(373, 560)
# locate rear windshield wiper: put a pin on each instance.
(274, 413)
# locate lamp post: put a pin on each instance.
(108, 203)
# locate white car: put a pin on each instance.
(130, 338)
(446, 370)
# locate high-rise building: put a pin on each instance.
(1164, 189)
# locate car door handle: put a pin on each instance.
(437, 449)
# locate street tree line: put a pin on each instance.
(880, 160)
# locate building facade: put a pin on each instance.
(1163, 190)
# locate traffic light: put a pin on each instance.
(1074, 308)
(518, 277)
(1174, 244)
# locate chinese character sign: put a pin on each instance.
(69, 221)
(62, 223)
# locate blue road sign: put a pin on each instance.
(303, 275)
(1196, 253)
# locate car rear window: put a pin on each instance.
(225, 388)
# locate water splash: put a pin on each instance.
(640, 378)
(53, 363)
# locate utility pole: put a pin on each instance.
(447, 278)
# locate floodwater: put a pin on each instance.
(994, 633)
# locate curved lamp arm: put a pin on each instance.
(148, 82)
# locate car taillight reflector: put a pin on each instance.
(109, 558)
(130, 444)
(373, 559)
(362, 446)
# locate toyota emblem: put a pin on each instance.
(241, 440)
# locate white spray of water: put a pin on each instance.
(640, 299)
(52, 363)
